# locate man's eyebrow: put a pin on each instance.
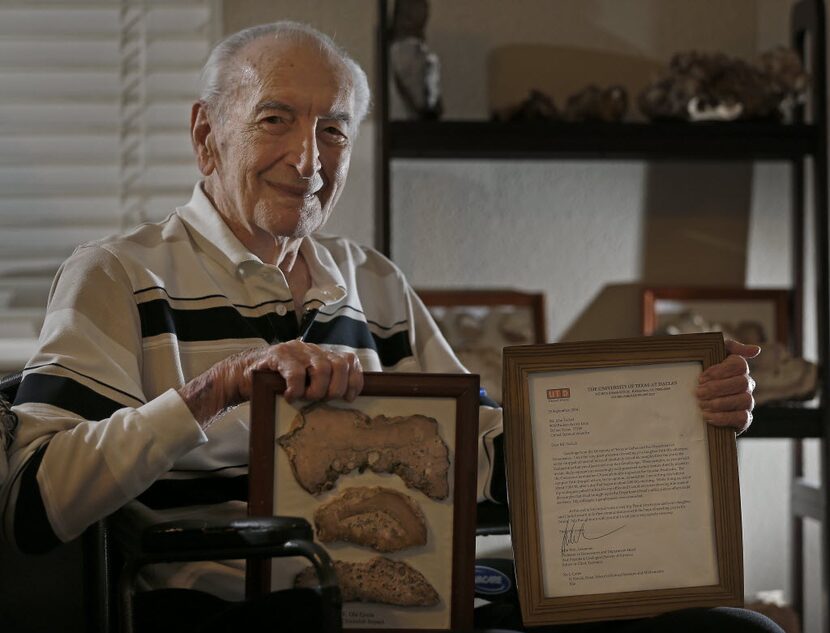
(338, 115)
(333, 115)
(273, 105)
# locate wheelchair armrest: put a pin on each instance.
(188, 535)
(197, 539)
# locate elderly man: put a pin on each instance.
(151, 338)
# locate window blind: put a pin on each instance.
(94, 113)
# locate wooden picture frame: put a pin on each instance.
(446, 558)
(752, 315)
(527, 429)
(478, 324)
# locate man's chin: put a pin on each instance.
(304, 226)
(292, 222)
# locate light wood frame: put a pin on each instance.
(464, 389)
(537, 609)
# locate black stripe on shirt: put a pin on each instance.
(32, 531)
(87, 376)
(213, 324)
(225, 322)
(211, 296)
(353, 309)
(356, 334)
(66, 394)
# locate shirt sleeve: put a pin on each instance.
(88, 440)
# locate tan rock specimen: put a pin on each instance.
(381, 518)
(379, 580)
(325, 442)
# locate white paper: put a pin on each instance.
(622, 477)
(434, 560)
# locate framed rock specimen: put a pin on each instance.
(755, 315)
(751, 315)
(479, 323)
(388, 484)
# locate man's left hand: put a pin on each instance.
(725, 389)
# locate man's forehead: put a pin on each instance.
(291, 64)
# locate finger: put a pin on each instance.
(737, 420)
(737, 402)
(725, 387)
(741, 349)
(294, 372)
(355, 378)
(339, 382)
(319, 372)
(732, 365)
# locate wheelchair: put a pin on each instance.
(116, 548)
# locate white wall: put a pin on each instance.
(586, 233)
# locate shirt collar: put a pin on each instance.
(209, 230)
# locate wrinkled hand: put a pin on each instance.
(310, 373)
(725, 390)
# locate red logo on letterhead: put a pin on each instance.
(559, 394)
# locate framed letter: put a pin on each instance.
(389, 484)
(624, 503)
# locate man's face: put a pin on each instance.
(281, 145)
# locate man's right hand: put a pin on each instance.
(310, 373)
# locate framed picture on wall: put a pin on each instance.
(746, 314)
(385, 483)
(478, 324)
(760, 316)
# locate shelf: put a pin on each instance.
(791, 421)
(552, 140)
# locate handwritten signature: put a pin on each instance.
(575, 532)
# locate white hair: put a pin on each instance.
(213, 86)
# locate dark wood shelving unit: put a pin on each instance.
(485, 140)
(793, 421)
(803, 144)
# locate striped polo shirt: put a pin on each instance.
(132, 318)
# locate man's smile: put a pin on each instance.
(295, 191)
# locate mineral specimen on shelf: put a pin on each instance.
(713, 86)
(590, 104)
(597, 104)
(415, 68)
(786, 76)
(536, 107)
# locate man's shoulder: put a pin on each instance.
(148, 236)
(344, 249)
(146, 233)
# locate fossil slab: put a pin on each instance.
(381, 518)
(326, 442)
(379, 580)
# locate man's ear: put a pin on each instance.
(201, 135)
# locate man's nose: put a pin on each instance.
(305, 155)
